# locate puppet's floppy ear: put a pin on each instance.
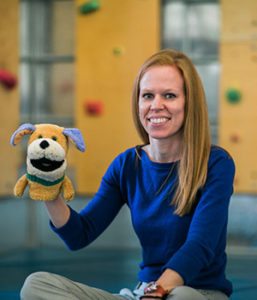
(20, 132)
(76, 137)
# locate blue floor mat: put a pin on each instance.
(9, 295)
(242, 271)
(107, 269)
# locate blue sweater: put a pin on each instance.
(192, 245)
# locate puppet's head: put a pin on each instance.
(47, 150)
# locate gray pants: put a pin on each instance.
(47, 286)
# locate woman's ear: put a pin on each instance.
(24, 129)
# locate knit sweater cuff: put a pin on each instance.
(190, 260)
(67, 233)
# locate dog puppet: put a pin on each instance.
(46, 160)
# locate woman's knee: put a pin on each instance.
(185, 293)
(33, 281)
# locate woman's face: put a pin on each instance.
(162, 102)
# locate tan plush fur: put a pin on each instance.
(46, 162)
(45, 193)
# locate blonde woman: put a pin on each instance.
(177, 187)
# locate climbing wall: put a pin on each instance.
(114, 37)
(238, 105)
(9, 98)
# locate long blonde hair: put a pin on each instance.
(193, 165)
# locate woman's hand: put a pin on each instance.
(169, 280)
(154, 291)
(163, 286)
(150, 297)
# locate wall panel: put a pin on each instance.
(112, 43)
(238, 106)
(9, 98)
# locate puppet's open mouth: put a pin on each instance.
(46, 165)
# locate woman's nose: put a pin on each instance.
(157, 102)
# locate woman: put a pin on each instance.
(177, 187)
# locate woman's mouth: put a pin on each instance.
(160, 120)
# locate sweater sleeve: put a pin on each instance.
(84, 227)
(209, 221)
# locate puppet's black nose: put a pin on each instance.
(44, 144)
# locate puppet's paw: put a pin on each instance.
(68, 194)
(20, 186)
(18, 191)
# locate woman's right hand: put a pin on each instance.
(58, 211)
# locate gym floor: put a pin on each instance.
(110, 269)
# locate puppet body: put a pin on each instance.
(46, 160)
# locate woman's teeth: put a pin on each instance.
(158, 120)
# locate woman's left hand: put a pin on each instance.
(151, 297)
(153, 290)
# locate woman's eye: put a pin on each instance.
(148, 96)
(170, 96)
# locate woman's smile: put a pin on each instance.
(158, 120)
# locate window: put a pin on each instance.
(47, 61)
(194, 28)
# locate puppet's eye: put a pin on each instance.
(40, 136)
(54, 138)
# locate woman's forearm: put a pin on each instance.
(58, 211)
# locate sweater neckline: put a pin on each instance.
(143, 156)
